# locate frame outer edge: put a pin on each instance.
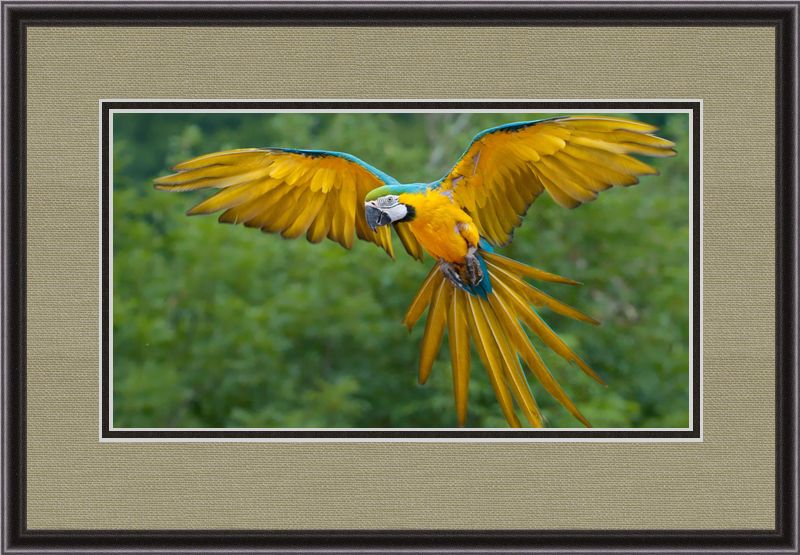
(16, 539)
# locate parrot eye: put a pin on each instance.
(388, 201)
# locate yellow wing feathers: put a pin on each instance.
(572, 158)
(287, 192)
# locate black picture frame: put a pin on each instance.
(18, 16)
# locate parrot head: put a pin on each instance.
(383, 206)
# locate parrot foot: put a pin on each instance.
(466, 275)
(450, 272)
(473, 267)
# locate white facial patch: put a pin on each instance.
(396, 212)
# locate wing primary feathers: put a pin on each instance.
(617, 169)
(233, 196)
(630, 137)
(605, 123)
(238, 157)
(557, 194)
(565, 184)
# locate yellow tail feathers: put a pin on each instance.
(495, 326)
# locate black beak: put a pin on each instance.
(376, 217)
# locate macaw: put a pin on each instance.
(479, 296)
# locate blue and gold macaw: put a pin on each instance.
(479, 296)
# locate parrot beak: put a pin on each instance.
(376, 217)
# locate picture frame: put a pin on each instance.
(24, 415)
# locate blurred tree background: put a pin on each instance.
(221, 326)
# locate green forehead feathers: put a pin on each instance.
(396, 190)
(379, 192)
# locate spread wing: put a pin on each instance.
(293, 192)
(506, 168)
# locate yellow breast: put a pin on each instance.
(436, 225)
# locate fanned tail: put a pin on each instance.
(494, 322)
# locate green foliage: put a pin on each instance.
(221, 326)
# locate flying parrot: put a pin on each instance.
(479, 296)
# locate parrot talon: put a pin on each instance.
(464, 276)
(450, 272)
(473, 266)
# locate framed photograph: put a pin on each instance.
(507, 277)
(334, 371)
